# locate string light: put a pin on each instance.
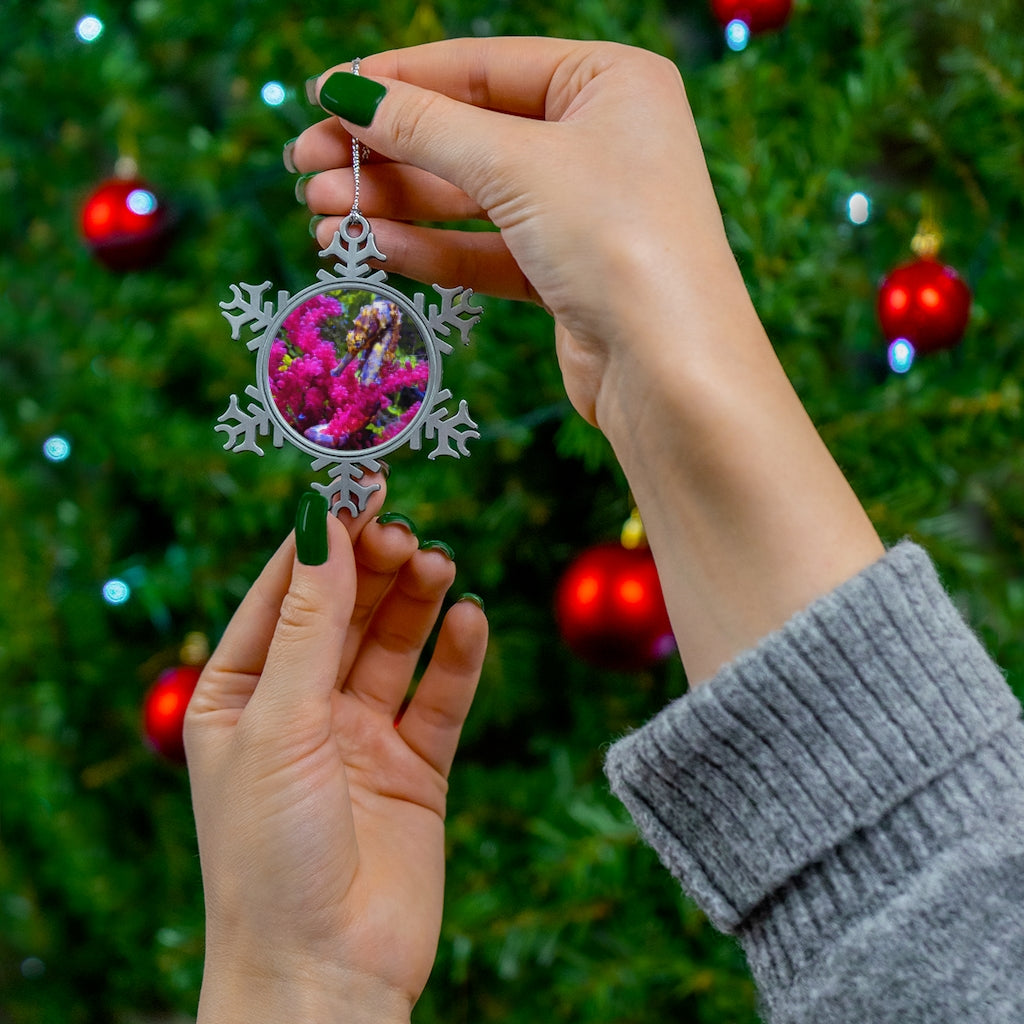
(141, 201)
(273, 94)
(56, 448)
(89, 28)
(858, 208)
(737, 35)
(901, 355)
(116, 591)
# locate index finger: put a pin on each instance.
(511, 75)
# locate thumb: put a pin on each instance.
(305, 650)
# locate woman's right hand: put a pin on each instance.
(585, 156)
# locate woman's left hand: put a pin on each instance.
(319, 811)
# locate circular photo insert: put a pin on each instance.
(348, 370)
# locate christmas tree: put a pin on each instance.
(126, 528)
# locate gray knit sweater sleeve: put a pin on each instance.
(848, 799)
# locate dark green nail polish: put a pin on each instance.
(397, 517)
(438, 545)
(311, 529)
(313, 224)
(352, 97)
(300, 187)
(287, 156)
(473, 599)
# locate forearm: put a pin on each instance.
(748, 515)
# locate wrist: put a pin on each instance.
(748, 516)
(313, 994)
(679, 328)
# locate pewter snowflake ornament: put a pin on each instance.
(349, 369)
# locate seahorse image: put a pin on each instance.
(373, 340)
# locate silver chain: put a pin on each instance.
(356, 146)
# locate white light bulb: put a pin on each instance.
(858, 208)
(89, 28)
(273, 94)
(141, 201)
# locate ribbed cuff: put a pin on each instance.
(860, 702)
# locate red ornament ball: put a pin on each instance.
(163, 711)
(925, 302)
(125, 224)
(757, 15)
(611, 611)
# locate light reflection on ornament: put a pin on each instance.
(898, 299)
(587, 590)
(89, 28)
(56, 448)
(273, 94)
(858, 208)
(901, 355)
(116, 591)
(737, 35)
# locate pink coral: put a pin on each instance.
(302, 325)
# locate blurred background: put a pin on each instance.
(837, 134)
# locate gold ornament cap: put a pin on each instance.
(928, 240)
(633, 534)
(195, 649)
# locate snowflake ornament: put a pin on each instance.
(349, 369)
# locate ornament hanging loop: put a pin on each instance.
(355, 227)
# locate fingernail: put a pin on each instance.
(300, 187)
(352, 97)
(311, 89)
(473, 599)
(385, 468)
(287, 156)
(311, 529)
(397, 517)
(438, 545)
(314, 223)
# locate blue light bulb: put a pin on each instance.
(901, 355)
(56, 448)
(89, 28)
(116, 591)
(737, 34)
